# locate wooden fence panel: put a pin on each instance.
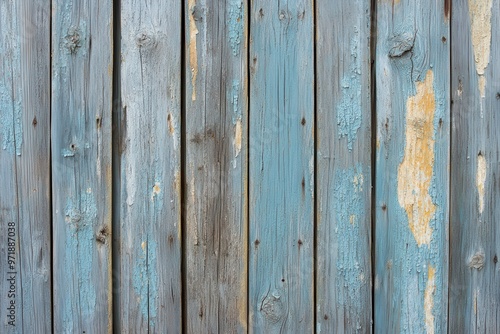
(412, 166)
(149, 220)
(81, 165)
(281, 284)
(475, 233)
(25, 215)
(216, 166)
(343, 69)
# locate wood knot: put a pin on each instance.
(145, 40)
(102, 234)
(476, 261)
(72, 40)
(35, 122)
(272, 308)
(401, 45)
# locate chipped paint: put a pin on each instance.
(156, 191)
(416, 170)
(237, 138)
(235, 25)
(349, 207)
(349, 111)
(480, 25)
(177, 187)
(145, 280)
(430, 289)
(193, 53)
(480, 181)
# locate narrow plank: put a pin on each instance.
(281, 284)
(475, 233)
(412, 166)
(216, 166)
(81, 165)
(149, 271)
(343, 68)
(25, 215)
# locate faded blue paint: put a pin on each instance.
(235, 25)
(145, 280)
(79, 248)
(349, 111)
(349, 208)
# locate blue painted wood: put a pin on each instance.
(475, 233)
(81, 165)
(343, 284)
(281, 162)
(25, 167)
(412, 167)
(216, 250)
(149, 196)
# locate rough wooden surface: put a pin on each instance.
(25, 165)
(81, 165)
(343, 285)
(474, 230)
(216, 166)
(281, 164)
(412, 167)
(149, 219)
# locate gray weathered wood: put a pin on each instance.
(149, 220)
(475, 231)
(412, 166)
(216, 166)
(281, 166)
(344, 301)
(25, 164)
(81, 165)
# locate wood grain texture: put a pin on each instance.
(344, 301)
(149, 219)
(281, 163)
(216, 166)
(475, 233)
(81, 165)
(25, 165)
(412, 167)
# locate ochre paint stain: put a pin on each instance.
(415, 172)
(430, 288)
(177, 187)
(193, 56)
(480, 180)
(480, 25)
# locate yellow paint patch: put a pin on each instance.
(170, 122)
(156, 191)
(237, 137)
(480, 25)
(430, 288)
(415, 172)
(480, 180)
(352, 219)
(177, 187)
(193, 56)
(143, 245)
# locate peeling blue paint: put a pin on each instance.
(80, 218)
(234, 97)
(349, 211)
(235, 25)
(349, 110)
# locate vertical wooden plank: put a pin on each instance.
(216, 166)
(81, 164)
(412, 166)
(475, 233)
(281, 164)
(344, 302)
(149, 272)
(25, 167)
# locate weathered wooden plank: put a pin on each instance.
(149, 250)
(475, 233)
(81, 164)
(216, 166)
(25, 167)
(281, 168)
(343, 68)
(412, 166)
